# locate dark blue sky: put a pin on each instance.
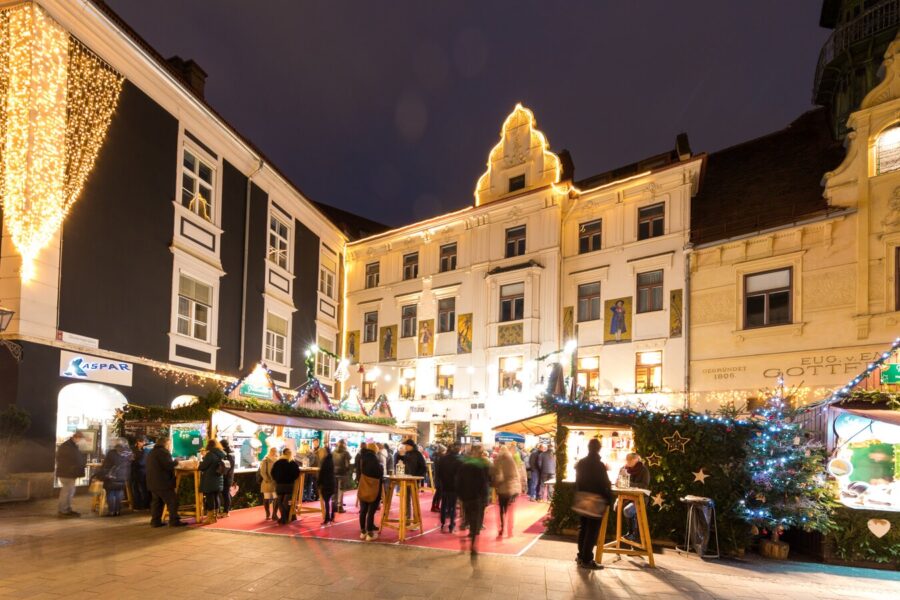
(389, 108)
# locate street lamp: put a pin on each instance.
(6, 316)
(15, 349)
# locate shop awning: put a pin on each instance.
(266, 418)
(542, 424)
(885, 416)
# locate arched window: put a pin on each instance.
(887, 150)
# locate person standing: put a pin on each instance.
(326, 483)
(267, 484)
(473, 488)
(638, 477)
(140, 499)
(70, 466)
(341, 458)
(445, 473)
(534, 471)
(285, 472)
(413, 464)
(212, 480)
(590, 476)
(116, 471)
(370, 467)
(505, 476)
(437, 453)
(227, 478)
(548, 469)
(161, 483)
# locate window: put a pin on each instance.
(517, 183)
(369, 390)
(445, 375)
(588, 375)
(510, 367)
(408, 321)
(515, 241)
(324, 362)
(767, 298)
(650, 291)
(276, 339)
(372, 274)
(370, 327)
(651, 220)
(279, 242)
(197, 185)
(648, 371)
(512, 302)
(446, 315)
(589, 302)
(326, 276)
(448, 257)
(411, 266)
(589, 236)
(887, 150)
(408, 384)
(194, 308)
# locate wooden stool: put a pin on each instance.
(99, 505)
(409, 489)
(297, 507)
(642, 548)
(195, 510)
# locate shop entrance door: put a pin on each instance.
(91, 409)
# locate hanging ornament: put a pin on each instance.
(754, 530)
(676, 442)
(654, 460)
(879, 527)
(700, 476)
(658, 500)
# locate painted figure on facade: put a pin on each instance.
(464, 334)
(617, 322)
(351, 346)
(387, 344)
(425, 337)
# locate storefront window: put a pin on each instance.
(91, 409)
(445, 375)
(648, 371)
(589, 374)
(510, 369)
(866, 462)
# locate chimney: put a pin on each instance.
(190, 73)
(568, 166)
(683, 146)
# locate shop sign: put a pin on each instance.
(250, 390)
(890, 374)
(505, 436)
(94, 368)
(77, 340)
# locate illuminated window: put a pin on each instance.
(197, 183)
(279, 242)
(589, 302)
(408, 321)
(651, 221)
(276, 339)
(369, 390)
(444, 382)
(372, 274)
(446, 315)
(588, 376)
(589, 236)
(510, 367)
(370, 327)
(512, 302)
(326, 276)
(194, 308)
(650, 291)
(408, 384)
(887, 150)
(448, 257)
(515, 241)
(767, 298)
(411, 266)
(648, 371)
(517, 183)
(324, 362)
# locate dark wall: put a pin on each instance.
(234, 189)
(116, 282)
(306, 271)
(256, 275)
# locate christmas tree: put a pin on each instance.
(787, 475)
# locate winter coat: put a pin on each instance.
(447, 468)
(325, 480)
(267, 485)
(505, 475)
(369, 465)
(590, 476)
(341, 466)
(160, 469)
(210, 480)
(639, 476)
(473, 480)
(285, 472)
(547, 465)
(139, 466)
(116, 468)
(414, 463)
(534, 461)
(70, 460)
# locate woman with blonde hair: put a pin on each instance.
(267, 484)
(505, 477)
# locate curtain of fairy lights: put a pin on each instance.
(57, 102)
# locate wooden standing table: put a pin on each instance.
(621, 545)
(297, 507)
(409, 490)
(429, 467)
(188, 510)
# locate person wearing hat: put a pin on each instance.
(413, 464)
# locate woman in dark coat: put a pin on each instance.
(327, 484)
(370, 467)
(211, 480)
(285, 472)
(228, 478)
(116, 472)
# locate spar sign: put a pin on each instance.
(94, 368)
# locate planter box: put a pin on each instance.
(14, 489)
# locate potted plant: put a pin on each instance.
(13, 423)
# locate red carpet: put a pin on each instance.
(527, 520)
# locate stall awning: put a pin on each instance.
(885, 416)
(537, 425)
(265, 418)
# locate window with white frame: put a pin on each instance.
(194, 308)
(370, 327)
(373, 271)
(448, 257)
(648, 371)
(446, 315)
(589, 302)
(276, 339)
(279, 241)
(767, 298)
(887, 150)
(326, 276)
(324, 362)
(410, 266)
(408, 320)
(197, 184)
(512, 302)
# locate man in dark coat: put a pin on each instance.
(161, 483)
(413, 464)
(140, 493)
(473, 482)
(70, 466)
(590, 476)
(547, 464)
(446, 469)
(534, 471)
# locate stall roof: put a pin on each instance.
(885, 416)
(537, 425)
(266, 418)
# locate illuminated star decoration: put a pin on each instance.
(676, 442)
(700, 476)
(654, 460)
(658, 500)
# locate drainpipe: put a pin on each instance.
(685, 324)
(246, 260)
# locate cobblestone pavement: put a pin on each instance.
(42, 556)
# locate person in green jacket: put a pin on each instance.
(212, 480)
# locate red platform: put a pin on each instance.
(527, 521)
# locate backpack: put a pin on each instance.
(223, 466)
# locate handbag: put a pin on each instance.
(368, 488)
(233, 490)
(589, 504)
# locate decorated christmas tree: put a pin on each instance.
(787, 475)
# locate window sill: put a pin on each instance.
(648, 312)
(794, 329)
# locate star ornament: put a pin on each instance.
(700, 476)
(676, 442)
(654, 460)
(658, 500)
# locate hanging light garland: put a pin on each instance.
(58, 99)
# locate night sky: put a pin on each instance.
(389, 108)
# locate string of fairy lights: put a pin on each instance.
(58, 101)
